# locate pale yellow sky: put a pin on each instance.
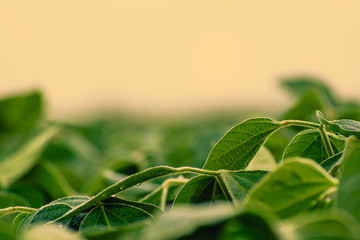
(161, 56)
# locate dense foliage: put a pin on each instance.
(296, 177)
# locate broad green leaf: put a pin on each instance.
(201, 189)
(52, 211)
(16, 222)
(240, 144)
(16, 165)
(308, 144)
(239, 183)
(321, 225)
(349, 187)
(22, 112)
(51, 231)
(112, 213)
(346, 127)
(292, 188)
(32, 194)
(263, 160)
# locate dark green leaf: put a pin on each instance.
(291, 188)
(328, 163)
(308, 144)
(240, 144)
(113, 213)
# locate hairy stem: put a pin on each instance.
(133, 180)
(9, 210)
(300, 123)
(326, 141)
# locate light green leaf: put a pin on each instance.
(240, 144)
(292, 188)
(51, 231)
(239, 183)
(308, 144)
(349, 187)
(20, 162)
(321, 225)
(263, 160)
(346, 127)
(113, 213)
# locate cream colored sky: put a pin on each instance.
(160, 56)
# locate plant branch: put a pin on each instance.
(133, 180)
(9, 210)
(326, 141)
(300, 123)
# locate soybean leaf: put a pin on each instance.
(240, 144)
(238, 183)
(308, 144)
(112, 213)
(346, 127)
(333, 224)
(10, 199)
(52, 211)
(201, 189)
(20, 162)
(291, 188)
(328, 163)
(16, 222)
(349, 188)
(263, 160)
(22, 112)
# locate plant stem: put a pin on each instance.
(9, 210)
(326, 141)
(133, 180)
(300, 123)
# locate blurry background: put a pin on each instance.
(175, 56)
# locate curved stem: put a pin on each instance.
(326, 141)
(133, 180)
(9, 210)
(300, 123)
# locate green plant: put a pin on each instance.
(264, 179)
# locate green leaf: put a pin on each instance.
(19, 113)
(10, 199)
(292, 188)
(321, 225)
(239, 183)
(16, 165)
(113, 213)
(349, 188)
(328, 163)
(240, 144)
(51, 231)
(263, 160)
(52, 211)
(201, 189)
(345, 127)
(308, 144)
(230, 185)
